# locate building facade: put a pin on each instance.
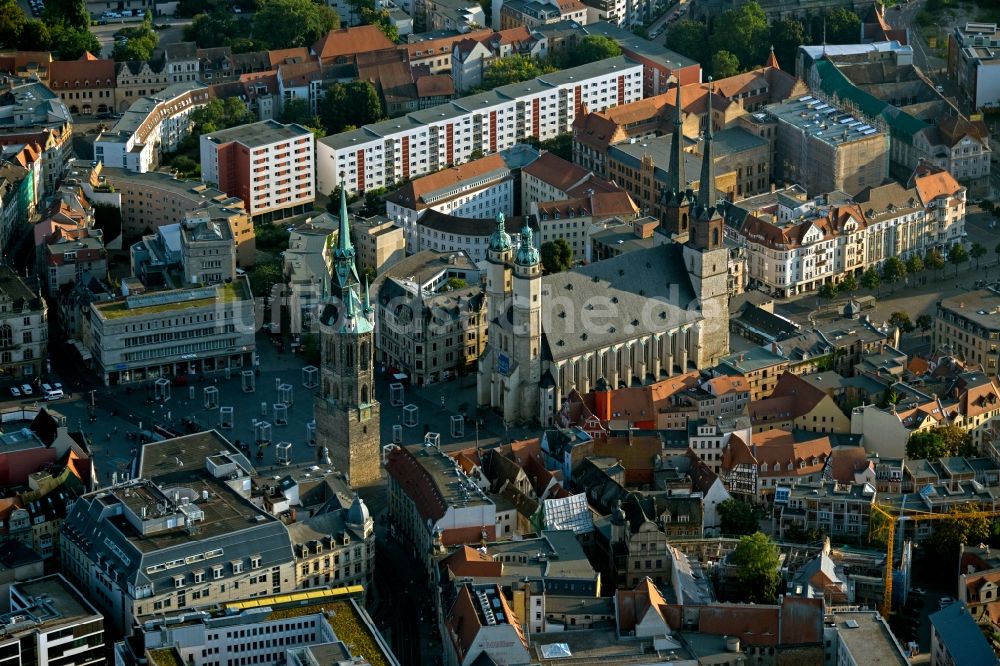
(380, 154)
(24, 328)
(172, 333)
(267, 164)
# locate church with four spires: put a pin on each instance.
(629, 320)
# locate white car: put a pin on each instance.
(26, 389)
(16, 392)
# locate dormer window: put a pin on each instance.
(179, 580)
(237, 566)
(255, 561)
(217, 571)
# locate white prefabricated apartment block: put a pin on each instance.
(425, 141)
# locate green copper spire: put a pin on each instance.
(344, 270)
(344, 247)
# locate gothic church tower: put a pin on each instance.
(347, 413)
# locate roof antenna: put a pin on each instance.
(824, 37)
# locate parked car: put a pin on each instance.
(16, 392)
(26, 389)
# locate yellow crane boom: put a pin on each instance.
(889, 528)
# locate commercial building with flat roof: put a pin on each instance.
(857, 638)
(50, 622)
(271, 629)
(425, 141)
(182, 534)
(172, 333)
(267, 164)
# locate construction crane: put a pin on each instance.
(888, 528)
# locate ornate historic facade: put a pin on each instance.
(628, 320)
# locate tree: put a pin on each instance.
(744, 33)
(959, 529)
(957, 255)
(456, 283)
(142, 40)
(756, 560)
(71, 12)
(914, 265)
(893, 270)
(220, 28)
(557, 256)
(842, 27)
(12, 22)
(977, 252)
(590, 49)
(561, 146)
(940, 442)
(786, 37)
(298, 111)
(737, 518)
(282, 24)
(848, 285)
(512, 69)
(381, 19)
(356, 103)
(374, 203)
(724, 64)
(926, 445)
(933, 260)
(925, 323)
(828, 291)
(689, 38)
(263, 276)
(71, 42)
(901, 320)
(870, 279)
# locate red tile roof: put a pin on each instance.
(87, 72)
(348, 42)
(411, 194)
(288, 56)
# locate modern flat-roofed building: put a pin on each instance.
(425, 141)
(170, 333)
(171, 540)
(50, 622)
(152, 125)
(267, 164)
(300, 629)
(974, 62)
(861, 637)
(379, 242)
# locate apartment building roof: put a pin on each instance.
(84, 72)
(259, 134)
(471, 103)
(432, 480)
(632, 605)
(276, 57)
(54, 601)
(791, 453)
(981, 307)
(556, 554)
(477, 608)
(726, 144)
(139, 111)
(348, 42)
(450, 183)
(934, 183)
(429, 45)
(435, 85)
(199, 192)
(961, 636)
(181, 51)
(20, 294)
(795, 621)
(567, 177)
(867, 636)
(751, 360)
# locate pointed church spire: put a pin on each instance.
(344, 240)
(706, 189)
(678, 182)
(772, 60)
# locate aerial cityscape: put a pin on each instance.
(499, 332)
